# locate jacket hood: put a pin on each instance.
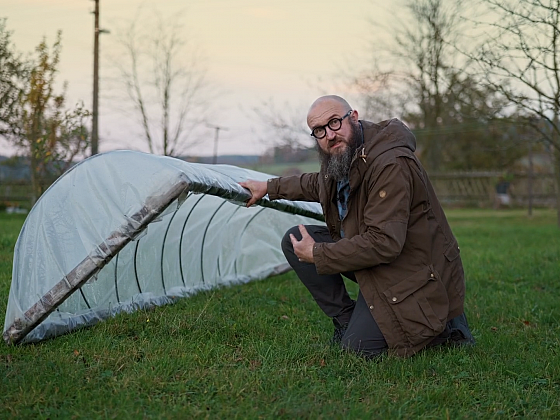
(378, 138)
(386, 135)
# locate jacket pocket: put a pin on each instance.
(453, 271)
(420, 304)
(452, 251)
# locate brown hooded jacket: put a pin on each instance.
(397, 239)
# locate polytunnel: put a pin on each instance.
(125, 230)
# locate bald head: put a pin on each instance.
(326, 104)
(334, 98)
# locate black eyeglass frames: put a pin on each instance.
(334, 124)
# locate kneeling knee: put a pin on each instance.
(286, 240)
(362, 349)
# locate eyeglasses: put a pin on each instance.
(334, 125)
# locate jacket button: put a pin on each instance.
(432, 275)
(371, 307)
(394, 299)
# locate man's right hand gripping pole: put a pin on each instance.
(257, 188)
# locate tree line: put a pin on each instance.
(156, 78)
(478, 84)
(33, 115)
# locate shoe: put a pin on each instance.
(460, 332)
(340, 323)
(339, 332)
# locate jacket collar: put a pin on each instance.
(377, 138)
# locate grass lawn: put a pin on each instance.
(287, 168)
(261, 350)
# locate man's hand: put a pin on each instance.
(304, 248)
(257, 188)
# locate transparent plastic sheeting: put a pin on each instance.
(204, 238)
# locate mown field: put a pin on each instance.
(283, 169)
(261, 350)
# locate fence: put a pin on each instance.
(478, 189)
(461, 189)
(18, 193)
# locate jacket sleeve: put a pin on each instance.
(301, 187)
(385, 217)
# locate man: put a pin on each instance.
(385, 229)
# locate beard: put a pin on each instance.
(337, 165)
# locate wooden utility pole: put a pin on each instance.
(95, 112)
(215, 127)
(530, 179)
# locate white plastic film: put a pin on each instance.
(136, 230)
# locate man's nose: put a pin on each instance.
(330, 133)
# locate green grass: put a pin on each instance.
(260, 350)
(287, 168)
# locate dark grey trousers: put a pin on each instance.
(363, 335)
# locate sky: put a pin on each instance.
(288, 52)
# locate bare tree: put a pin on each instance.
(14, 72)
(381, 93)
(413, 74)
(409, 77)
(428, 45)
(285, 125)
(520, 57)
(165, 82)
(419, 75)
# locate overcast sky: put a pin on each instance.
(256, 50)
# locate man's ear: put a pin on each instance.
(354, 115)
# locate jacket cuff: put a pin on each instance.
(272, 188)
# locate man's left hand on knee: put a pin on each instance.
(303, 248)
